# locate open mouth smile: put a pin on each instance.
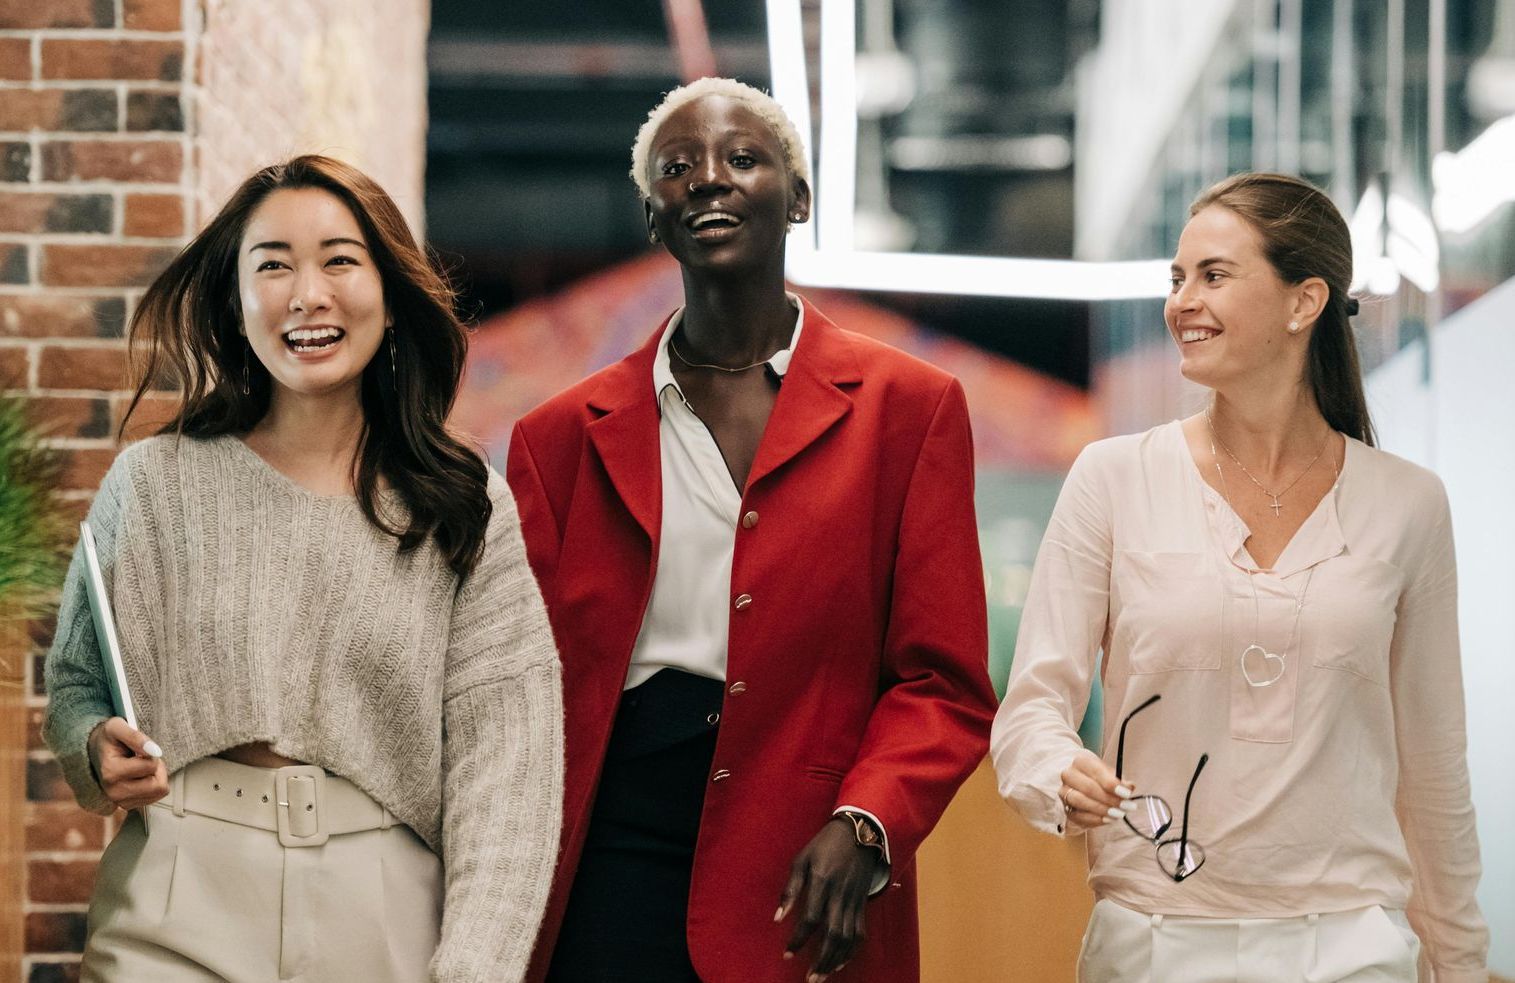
(713, 225)
(313, 340)
(1189, 336)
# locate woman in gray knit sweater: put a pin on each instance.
(350, 758)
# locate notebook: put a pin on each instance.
(105, 629)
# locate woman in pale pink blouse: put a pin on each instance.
(1282, 792)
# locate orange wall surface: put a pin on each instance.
(999, 901)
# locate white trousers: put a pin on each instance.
(193, 899)
(1368, 945)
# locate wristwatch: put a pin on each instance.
(866, 831)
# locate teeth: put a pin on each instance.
(1196, 334)
(711, 217)
(312, 334)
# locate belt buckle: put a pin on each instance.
(300, 791)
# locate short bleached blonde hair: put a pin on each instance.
(761, 103)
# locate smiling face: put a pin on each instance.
(722, 196)
(1228, 309)
(312, 301)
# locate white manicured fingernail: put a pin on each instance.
(1129, 806)
(152, 748)
(1115, 814)
(1123, 791)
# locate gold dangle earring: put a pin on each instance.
(247, 357)
(394, 372)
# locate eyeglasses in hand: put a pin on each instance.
(1178, 857)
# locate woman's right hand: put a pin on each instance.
(1091, 794)
(128, 763)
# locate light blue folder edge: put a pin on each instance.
(105, 629)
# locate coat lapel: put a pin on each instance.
(626, 437)
(809, 402)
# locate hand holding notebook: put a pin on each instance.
(105, 632)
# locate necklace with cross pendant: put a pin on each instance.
(1276, 506)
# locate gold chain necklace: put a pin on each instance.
(1273, 664)
(718, 368)
(1277, 506)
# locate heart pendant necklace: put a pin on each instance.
(1274, 662)
(1259, 667)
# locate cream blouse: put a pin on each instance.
(1344, 784)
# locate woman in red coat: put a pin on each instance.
(756, 540)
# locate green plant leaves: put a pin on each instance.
(34, 528)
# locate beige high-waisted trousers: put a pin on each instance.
(257, 875)
(1368, 945)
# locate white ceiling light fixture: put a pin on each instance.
(822, 253)
(1412, 243)
(1391, 240)
(981, 276)
(1477, 180)
(1372, 269)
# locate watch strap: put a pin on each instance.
(866, 833)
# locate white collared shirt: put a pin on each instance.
(685, 626)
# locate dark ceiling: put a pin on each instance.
(533, 109)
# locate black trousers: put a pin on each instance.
(625, 921)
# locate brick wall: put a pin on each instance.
(123, 124)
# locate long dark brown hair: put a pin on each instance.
(186, 335)
(1305, 236)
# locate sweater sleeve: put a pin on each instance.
(1434, 801)
(78, 697)
(502, 760)
(1035, 734)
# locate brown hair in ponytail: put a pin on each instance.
(1303, 236)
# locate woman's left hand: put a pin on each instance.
(834, 875)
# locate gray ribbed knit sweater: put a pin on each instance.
(250, 609)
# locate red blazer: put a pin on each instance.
(862, 654)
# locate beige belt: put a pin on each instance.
(302, 803)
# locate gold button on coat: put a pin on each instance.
(738, 688)
(720, 775)
(743, 601)
(749, 520)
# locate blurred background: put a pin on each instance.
(999, 185)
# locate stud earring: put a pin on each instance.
(1293, 327)
(652, 235)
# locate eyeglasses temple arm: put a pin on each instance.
(1120, 746)
(1183, 837)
